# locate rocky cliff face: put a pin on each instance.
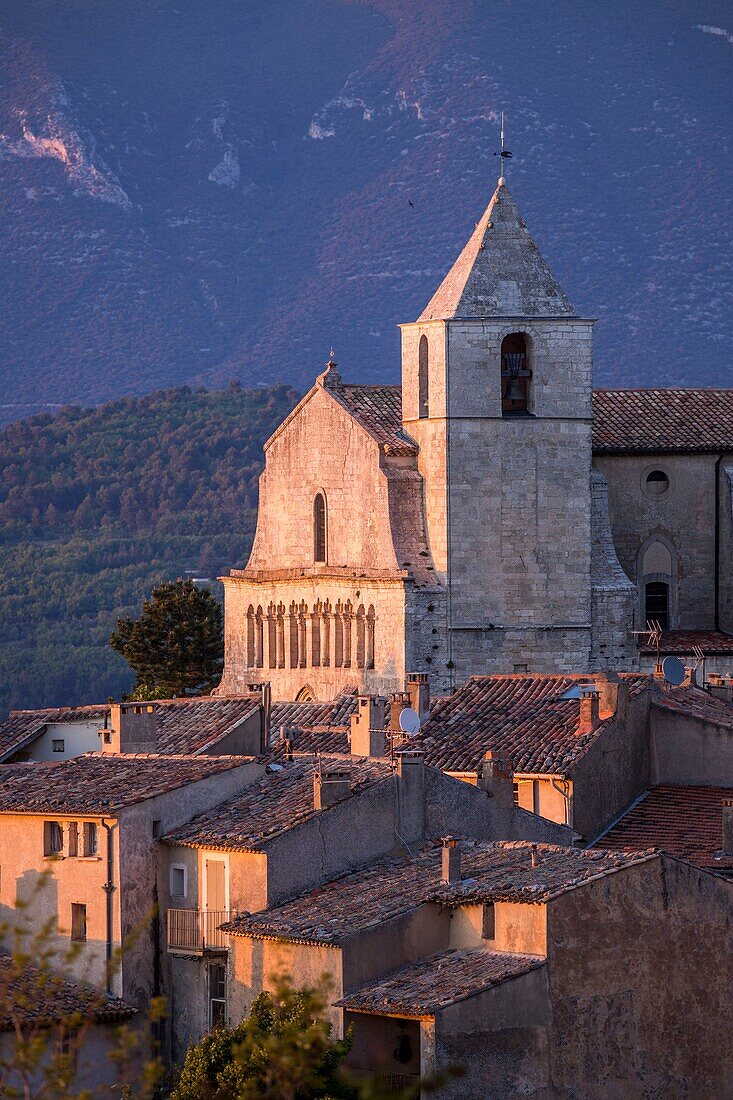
(194, 192)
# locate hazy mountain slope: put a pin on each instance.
(99, 505)
(200, 191)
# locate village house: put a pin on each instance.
(534, 967)
(197, 726)
(306, 820)
(41, 1009)
(78, 846)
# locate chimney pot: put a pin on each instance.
(589, 710)
(728, 826)
(535, 855)
(330, 787)
(367, 726)
(418, 688)
(451, 860)
(496, 777)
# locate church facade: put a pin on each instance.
(455, 524)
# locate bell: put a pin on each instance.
(514, 361)
(514, 391)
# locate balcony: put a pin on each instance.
(196, 931)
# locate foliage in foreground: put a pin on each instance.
(47, 1017)
(176, 647)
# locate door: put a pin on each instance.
(216, 891)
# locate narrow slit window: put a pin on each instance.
(319, 528)
(423, 379)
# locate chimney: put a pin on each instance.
(398, 700)
(367, 726)
(264, 690)
(496, 777)
(329, 787)
(450, 870)
(728, 826)
(720, 688)
(534, 855)
(132, 728)
(690, 679)
(418, 688)
(410, 796)
(589, 710)
(614, 695)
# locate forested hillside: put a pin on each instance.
(99, 505)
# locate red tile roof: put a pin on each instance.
(97, 784)
(696, 703)
(522, 715)
(683, 642)
(423, 987)
(184, 726)
(498, 871)
(684, 821)
(379, 410)
(313, 715)
(278, 801)
(33, 997)
(662, 421)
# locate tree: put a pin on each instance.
(283, 1049)
(176, 647)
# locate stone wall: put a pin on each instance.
(682, 519)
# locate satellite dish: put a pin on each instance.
(409, 721)
(674, 671)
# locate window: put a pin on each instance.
(423, 380)
(157, 829)
(656, 599)
(217, 994)
(78, 923)
(53, 839)
(657, 483)
(488, 923)
(58, 744)
(319, 528)
(515, 375)
(178, 881)
(73, 838)
(90, 838)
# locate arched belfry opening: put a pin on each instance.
(423, 379)
(320, 529)
(657, 573)
(515, 375)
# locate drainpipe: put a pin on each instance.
(717, 542)
(108, 888)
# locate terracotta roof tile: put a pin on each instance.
(662, 421)
(40, 998)
(379, 410)
(697, 703)
(423, 987)
(96, 783)
(522, 715)
(314, 715)
(279, 800)
(684, 821)
(184, 726)
(498, 871)
(683, 642)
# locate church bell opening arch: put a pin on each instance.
(516, 375)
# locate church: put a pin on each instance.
(493, 514)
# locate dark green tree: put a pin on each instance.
(176, 647)
(282, 1049)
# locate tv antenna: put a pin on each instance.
(653, 635)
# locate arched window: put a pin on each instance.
(656, 601)
(319, 528)
(250, 637)
(515, 375)
(423, 379)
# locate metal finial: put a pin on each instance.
(331, 355)
(504, 154)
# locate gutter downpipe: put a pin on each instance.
(109, 888)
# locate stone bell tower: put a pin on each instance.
(497, 383)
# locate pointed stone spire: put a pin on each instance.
(499, 273)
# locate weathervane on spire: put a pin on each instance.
(504, 154)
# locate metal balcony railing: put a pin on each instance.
(196, 931)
